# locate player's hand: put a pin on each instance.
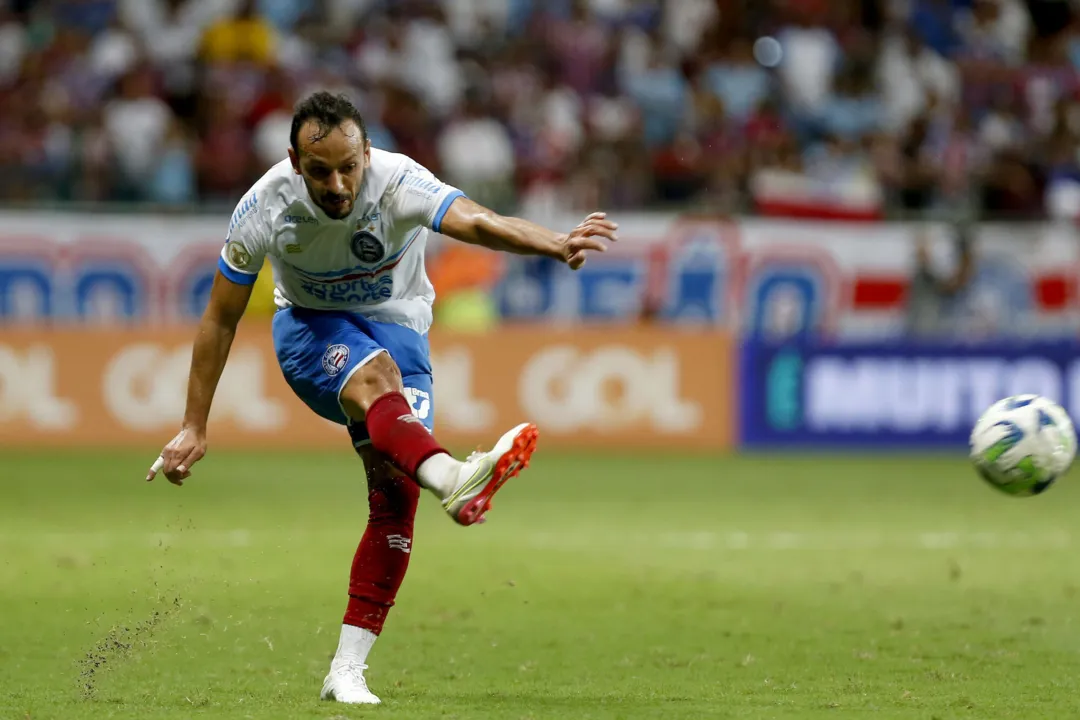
(183, 451)
(590, 235)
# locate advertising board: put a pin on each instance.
(891, 394)
(614, 388)
(763, 278)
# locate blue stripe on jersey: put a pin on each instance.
(436, 225)
(236, 276)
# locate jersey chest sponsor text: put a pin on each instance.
(349, 292)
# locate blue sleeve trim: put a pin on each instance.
(240, 278)
(436, 224)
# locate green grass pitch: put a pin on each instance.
(604, 586)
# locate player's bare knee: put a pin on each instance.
(378, 376)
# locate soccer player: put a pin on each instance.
(344, 227)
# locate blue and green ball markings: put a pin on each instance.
(1025, 478)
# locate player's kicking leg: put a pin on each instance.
(373, 395)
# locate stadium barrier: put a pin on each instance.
(766, 278)
(895, 395)
(603, 387)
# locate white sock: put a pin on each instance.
(439, 474)
(355, 642)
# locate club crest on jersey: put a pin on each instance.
(334, 359)
(366, 247)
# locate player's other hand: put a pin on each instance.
(183, 451)
(590, 235)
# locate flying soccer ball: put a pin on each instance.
(1022, 444)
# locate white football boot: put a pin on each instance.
(346, 684)
(483, 473)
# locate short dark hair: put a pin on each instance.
(329, 111)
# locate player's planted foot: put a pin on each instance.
(483, 473)
(346, 684)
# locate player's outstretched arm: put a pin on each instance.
(470, 222)
(228, 300)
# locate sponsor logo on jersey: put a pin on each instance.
(301, 220)
(246, 208)
(293, 248)
(366, 247)
(362, 291)
(334, 359)
(238, 255)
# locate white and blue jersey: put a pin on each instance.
(346, 289)
(370, 263)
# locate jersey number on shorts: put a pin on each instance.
(419, 401)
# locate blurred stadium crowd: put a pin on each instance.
(556, 104)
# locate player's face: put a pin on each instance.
(332, 166)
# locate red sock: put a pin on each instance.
(395, 431)
(383, 555)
